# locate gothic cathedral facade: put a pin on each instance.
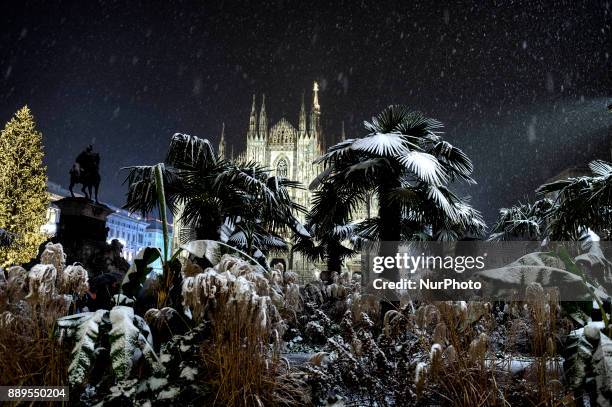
(288, 151)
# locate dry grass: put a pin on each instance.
(242, 358)
(244, 362)
(29, 352)
(464, 371)
(458, 373)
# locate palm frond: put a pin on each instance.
(417, 125)
(424, 166)
(143, 187)
(601, 168)
(388, 120)
(188, 152)
(383, 144)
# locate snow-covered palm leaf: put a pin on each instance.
(417, 125)
(440, 196)
(322, 176)
(556, 186)
(343, 232)
(273, 242)
(85, 329)
(469, 219)
(310, 249)
(298, 228)
(388, 120)
(187, 151)
(457, 160)
(382, 144)
(425, 166)
(145, 182)
(238, 239)
(366, 230)
(601, 168)
(447, 235)
(129, 342)
(340, 151)
(367, 167)
(248, 180)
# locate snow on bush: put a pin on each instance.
(129, 336)
(75, 280)
(41, 280)
(236, 283)
(54, 254)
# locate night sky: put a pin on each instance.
(521, 86)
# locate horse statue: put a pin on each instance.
(86, 171)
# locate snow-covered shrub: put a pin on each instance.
(232, 283)
(128, 335)
(54, 254)
(238, 300)
(28, 351)
(41, 283)
(75, 280)
(12, 285)
(588, 363)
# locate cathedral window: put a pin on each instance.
(281, 168)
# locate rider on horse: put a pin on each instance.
(85, 171)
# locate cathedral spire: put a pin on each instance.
(315, 100)
(222, 142)
(263, 119)
(252, 121)
(302, 124)
(315, 114)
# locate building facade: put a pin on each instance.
(128, 229)
(287, 150)
(131, 230)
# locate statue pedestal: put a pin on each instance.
(82, 232)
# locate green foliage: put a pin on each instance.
(139, 270)
(128, 335)
(216, 199)
(580, 203)
(523, 221)
(406, 166)
(573, 268)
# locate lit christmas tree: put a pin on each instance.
(23, 188)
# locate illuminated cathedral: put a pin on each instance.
(288, 151)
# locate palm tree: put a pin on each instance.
(523, 221)
(406, 164)
(242, 200)
(581, 203)
(329, 223)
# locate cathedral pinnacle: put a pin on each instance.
(222, 142)
(302, 120)
(315, 100)
(263, 119)
(253, 120)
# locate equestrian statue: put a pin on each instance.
(86, 171)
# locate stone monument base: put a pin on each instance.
(82, 232)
